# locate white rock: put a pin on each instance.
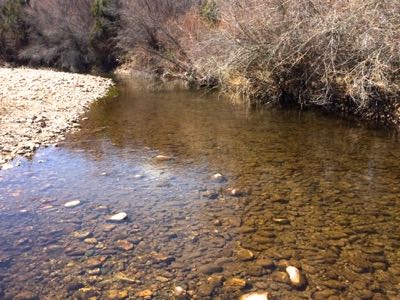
(119, 217)
(179, 291)
(294, 276)
(255, 296)
(218, 177)
(163, 157)
(72, 203)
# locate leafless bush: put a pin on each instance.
(151, 25)
(342, 54)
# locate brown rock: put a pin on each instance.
(124, 245)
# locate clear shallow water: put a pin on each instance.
(316, 193)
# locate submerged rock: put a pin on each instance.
(95, 262)
(73, 203)
(26, 295)
(255, 296)
(235, 283)
(145, 294)
(218, 178)
(297, 280)
(179, 292)
(82, 234)
(244, 255)
(163, 158)
(116, 295)
(118, 217)
(210, 269)
(124, 245)
(91, 241)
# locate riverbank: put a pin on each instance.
(37, 107)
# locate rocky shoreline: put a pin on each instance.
(38, 106)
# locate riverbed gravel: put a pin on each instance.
(38, 106)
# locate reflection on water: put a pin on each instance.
(300, 189)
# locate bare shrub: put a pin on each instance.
(151, 25)
(342, 54)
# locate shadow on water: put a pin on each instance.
(300, 189)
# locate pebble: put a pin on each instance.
(108, 227)
(124, 245)
(145, 294)
(281, 221)
(295, 277)
(218, 178)
(82, 235)
(73, 203)
(116, 295)
(235, 283)
(26, 295)
(244, 255)
(266, 263)
(255, 296)
(73, 286)
(210, 269)
(163, 158)
(91, 241)
(281, 277)
(179, 291)
(118, 217)
(95, 262)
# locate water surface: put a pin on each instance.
(310, 191)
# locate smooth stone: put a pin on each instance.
(218, 178)
(334, 284)
(90, 241)
(244, 255)
(74, 286)
(73, 203)
(26, 295)
(145, 294)
(82, 235)
(95, 262)
(235, 192)
(207, 289)
(108, 227)
(179, 292)
(116, 295)
(296, 278)
(124, 245)
(255, 296)
(266, 263)
(324, 294)
(118, 217)
(281, 277)
(163, 158)
(210, 269)
(96, 271)
(235, 283)
(281, 221)
(162, 279)
(160, 258)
